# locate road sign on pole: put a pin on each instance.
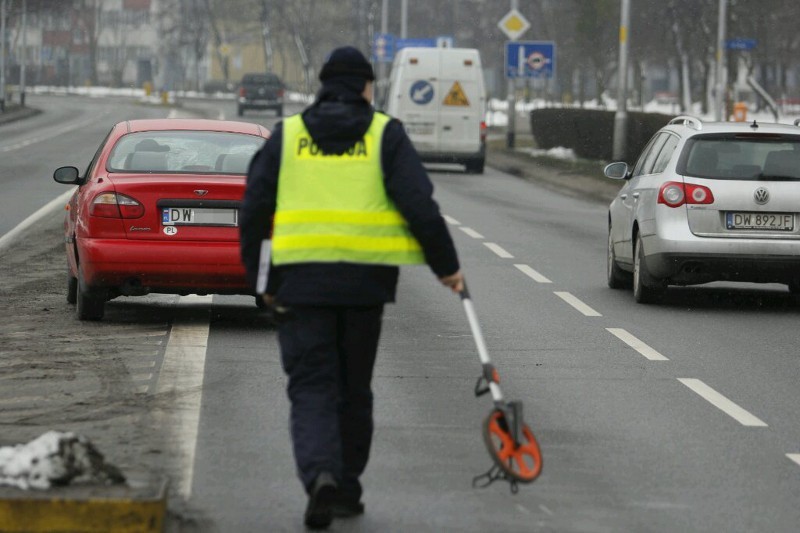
(513, 24)
(413, 43)
(740, 44)
(530, 59)
(383, 47)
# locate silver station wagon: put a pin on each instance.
(707, 201)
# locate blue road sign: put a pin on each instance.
(421, 92)
(530, 59)
(740, 44)
(383, 47)
(414, 43)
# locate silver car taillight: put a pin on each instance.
(675, 194)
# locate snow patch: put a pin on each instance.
(55, 458)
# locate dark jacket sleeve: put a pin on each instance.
(258, 205)
(410, 188)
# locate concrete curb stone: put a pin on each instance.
(17, 113)
(137, 506)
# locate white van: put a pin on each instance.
(439, 95)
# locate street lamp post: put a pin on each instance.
(2, 55)
(24, 62)
(621, 116)
(720, 73)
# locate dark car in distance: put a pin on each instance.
(260, 91)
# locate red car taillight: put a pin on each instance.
(280, 93)
(242, 92)
(112, 205)
(675, 194)
(484, 129)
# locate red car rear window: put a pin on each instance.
(183, 152)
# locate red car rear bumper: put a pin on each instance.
(213, 267)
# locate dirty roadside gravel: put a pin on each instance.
(579, 179)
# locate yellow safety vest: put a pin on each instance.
(334, 208)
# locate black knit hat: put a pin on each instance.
(346, 61)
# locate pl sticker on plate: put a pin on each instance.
(170, 230)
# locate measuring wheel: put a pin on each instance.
(520, 462)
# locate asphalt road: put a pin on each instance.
(675, 417)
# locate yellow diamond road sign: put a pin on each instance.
(513, 24)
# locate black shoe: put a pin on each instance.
(346, 507)
(319, 513)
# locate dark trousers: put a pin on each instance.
(328, 353)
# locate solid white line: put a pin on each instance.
(636, 344)
(450, 220)
(719, 401)
(794, 457)
(531, 273)
(471, 232)
(51, 206)
(181, 377)
(496, 248)
(577, 304)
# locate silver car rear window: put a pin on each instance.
(183, 152)
(763, 157)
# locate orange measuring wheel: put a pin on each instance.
(520, 461)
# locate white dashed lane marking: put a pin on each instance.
(794, 457)
(496, 248)
(722, 403)
(471, 232)
(636, 344)
(531, 273)
(450, 220)
(577, 304)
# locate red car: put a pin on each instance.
(157, 211)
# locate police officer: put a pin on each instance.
(346, 200)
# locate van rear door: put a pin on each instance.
(462, 100)
(415, 93)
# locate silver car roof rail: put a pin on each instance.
(686, 120)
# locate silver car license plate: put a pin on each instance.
(762, 221)
(199, 216)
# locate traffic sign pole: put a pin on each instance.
(379, 88)
(512, 100)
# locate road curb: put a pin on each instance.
(18, 114)
(138, 506)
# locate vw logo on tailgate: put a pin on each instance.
(761, 195)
